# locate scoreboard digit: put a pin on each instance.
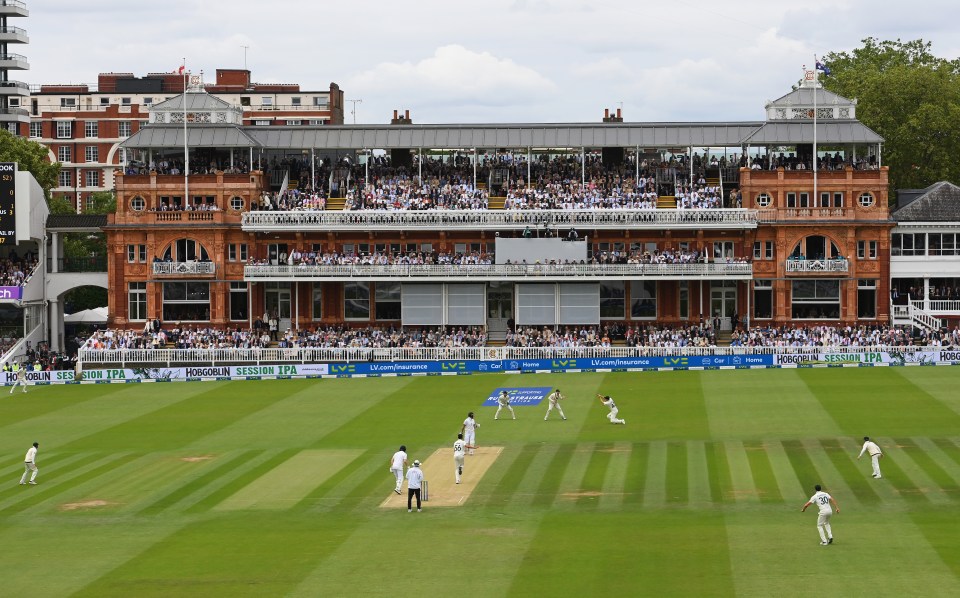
(8, 203)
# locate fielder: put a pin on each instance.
(873, 450)
(612, 416)
(397, 462)
(30, 465)
(459, 450)
(823, 502)
(553, 402)
(21, 379)
(504, 401)
(469, 430)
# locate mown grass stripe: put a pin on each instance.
(859, 484)
(655, 490)
(721, 488)
(744, 489)
(527, 488)
(698, 473)
(936, 483)
(894, 474)
(507, 485)
(803, 466)
(364, 475)
(677, 489)
(573, 476)
(201, 479)
(45, 492)
(949, 449)
(950, 467)
(831, 479)
(787, 482)
(49, 472)
(613, 483)
(634, 486)
(762, 472)
(552, 475)
(592, 482)
(236, 484)
(317, 495)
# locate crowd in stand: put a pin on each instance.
(667, 336)
(15, 270)
(828, 336)
(545, 336)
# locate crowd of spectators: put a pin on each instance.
(546, 336)
(15, 270)
(654, 335)
(822, 336)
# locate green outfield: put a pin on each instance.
(274, 488)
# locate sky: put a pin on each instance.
(487, 61)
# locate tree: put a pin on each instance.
(910, 97)
(32, 157)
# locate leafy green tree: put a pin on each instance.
(909, 96)
(32, 157)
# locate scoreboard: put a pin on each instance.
(8, 202)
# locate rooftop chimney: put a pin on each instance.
(612, 119)
(401, 120)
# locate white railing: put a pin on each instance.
(832, 265)
(945, 306)
(499, 271)
(160, 268)
(497, 219)
(913, 314)
(321, 355)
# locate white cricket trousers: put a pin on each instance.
(470, 437)
(458, 466)
(875, 460)
(22, 383)
(823, 526)
(612, 416)
(399, 474)
(27, 468)
(500, 408)
(550, 407)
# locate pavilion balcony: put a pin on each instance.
(184, 268)
(366, 220)
(818, 266)
(502, 272)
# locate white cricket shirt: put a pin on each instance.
(469, 424)
(458, 447)
(31, 455)
(822, 500)
(398, 458)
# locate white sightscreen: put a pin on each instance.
(466, 304)
(579, 303)
(421, 304)
(536, 304)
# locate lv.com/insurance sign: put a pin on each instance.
(523, 396)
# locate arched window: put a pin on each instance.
(815, 247)
(186, 250)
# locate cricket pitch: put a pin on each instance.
(443, 487)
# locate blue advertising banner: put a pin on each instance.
(523, 396)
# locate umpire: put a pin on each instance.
(414, 481)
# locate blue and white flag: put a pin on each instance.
(823, 68)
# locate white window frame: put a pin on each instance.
(91, 129)
(91, 154)
(64, 129)
(124, 128)
(36, 130)
(64, 154)
(88, 178)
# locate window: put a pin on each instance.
(867, 250)
(239, 300)
(131, 254)
(91, 153)
(387, 304)
(64, 129)
(244, 101)
(124, 128)
(763, 299)
(243, 252)
(91, 128)
(91, 178)
(768, 250)
(147, 101)
(317, 121)
(68, 102)
(137, 204)
(125, 101)
(36, 130)
(321, 101)
(763, 200)
(136, 253)
(236, 203)
(942, 244)
(63, 153)
(266, 101)
(791, 200)
(804, 200)
(722, 250)
(293, 123)
(185, 250)
(867, 299)
(232, 252)
(137, 301)
(763, 250)
(294, 101)
(317, 300)
(104, 101)
(612, 300)
(262, 122)
(237, 251)
(865, 200)
(66, 178)
(643, 299)
(684, 307)
(356, 301)
(837, 199)
(142, 251)
(816, 299)
(186, 301)
(908, 244)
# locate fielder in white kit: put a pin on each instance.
(553, 402)
(504, 401)
(397, 463)
(823, 502)
(875, 453)
(469, 430)
(612, 416)
(460, 447)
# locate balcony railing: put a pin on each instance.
(79, 264)
(363, 220)
(837, 265)
(938, 306)
(538, 272)
(183, 268)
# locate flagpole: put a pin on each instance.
(816, 77)
(186, 150)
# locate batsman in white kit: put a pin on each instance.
(469, 430)
(397, 463)
(460, 447)
(553, 402)
(612, 416)
(504, 401)
(823, 502)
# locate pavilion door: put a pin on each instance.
(723, 303)
(499, 309)
(278, 303)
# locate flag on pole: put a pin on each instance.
(181, 69)
(823, 68)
